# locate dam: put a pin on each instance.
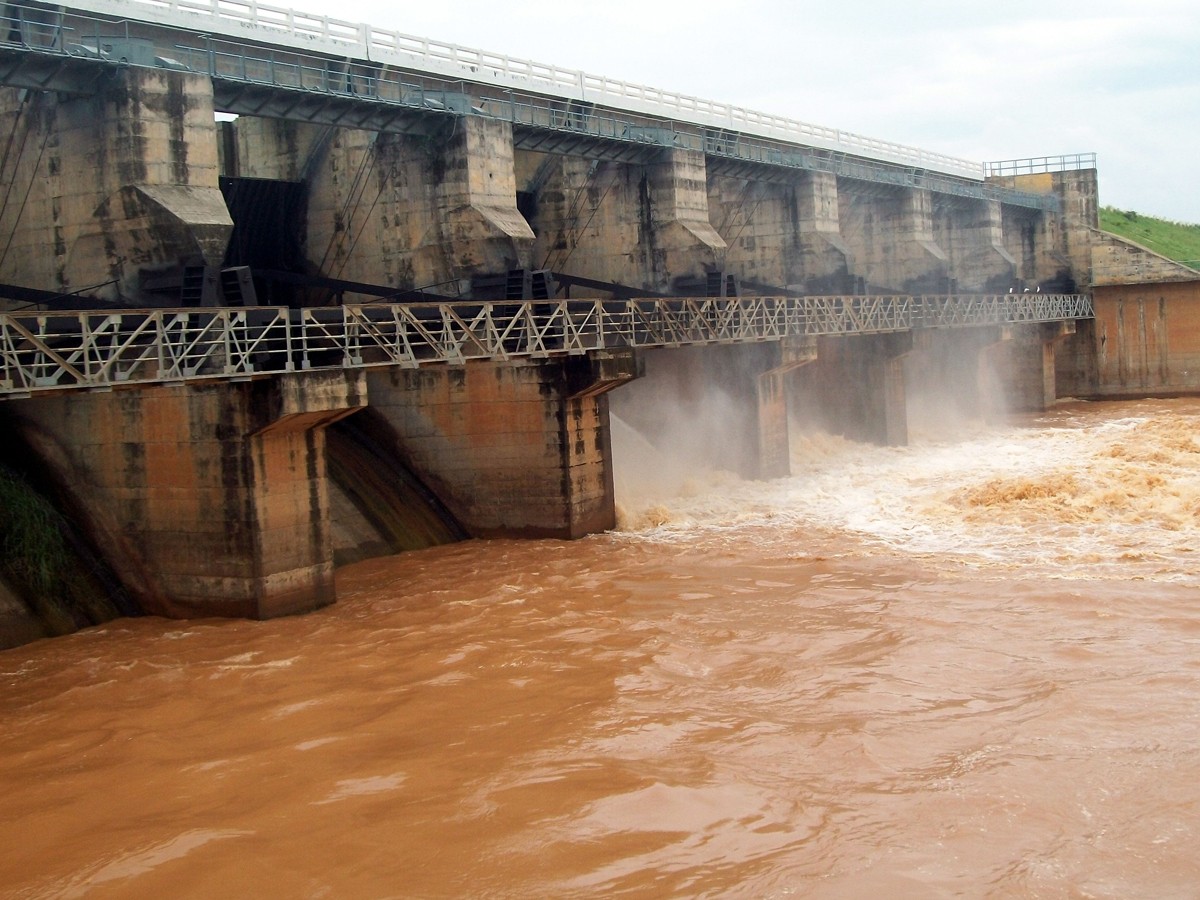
(244, 246)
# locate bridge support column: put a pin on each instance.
(103, 187)
(512, 448)
(860, 379)
(207, 500)
(1023, 364)
(891, 235)
(717, 406)
(774, 456)
(972, 233)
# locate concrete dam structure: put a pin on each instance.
(281, 291)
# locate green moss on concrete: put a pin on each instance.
(41, 561)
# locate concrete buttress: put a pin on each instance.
(207, 500)
(112, 185)
(645, 225)
(408, 211)
(890, 232)
(511, 448)
(972, 233)
(782, 235)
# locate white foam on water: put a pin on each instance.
(1087, 491)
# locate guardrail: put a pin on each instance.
(306, 32)
(43, 352)
(1066, 162)
(730, 132)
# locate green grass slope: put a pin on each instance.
(1174, 240)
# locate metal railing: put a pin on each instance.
(1067, 162)
(727, 131)
(249, 20)
(41, 352)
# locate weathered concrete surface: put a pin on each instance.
(398, 210)
(1145, 340)
(109, 185)
(1120, 262)
(517, 448)
(207, 499)
(640, 225)
(856, 388)
(890, 233)
(1053, 251)
(782, 234)
(971, 232)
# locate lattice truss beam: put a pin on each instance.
(102, 350)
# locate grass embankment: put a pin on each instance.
(1174, 240)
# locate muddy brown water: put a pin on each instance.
(969, 667)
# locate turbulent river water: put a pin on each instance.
(967, 667)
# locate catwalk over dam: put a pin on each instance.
(282, 292)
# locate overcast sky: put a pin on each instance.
(984, 81)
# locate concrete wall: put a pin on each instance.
(1117, 261)
(890, 233)
(1053, 250)
(641, 225)
(403, 211)
(517, 448)
(102, 187)
(205, 499)
(782, 234)
(971, 234)
(1144, 341)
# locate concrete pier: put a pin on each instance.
(890, 232)
(511, 448)
(112, 187)
(640, 224)
(207, 500)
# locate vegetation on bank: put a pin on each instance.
(40, 558)
(1175, 240)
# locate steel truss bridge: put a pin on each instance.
(275, 62)
(44, 352)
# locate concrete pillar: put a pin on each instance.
(680, 241)
(781, 236)
(716, 406)
(401, 211)
(826, 259)
(860, 385)
(207, 500)
(1023, 364)
(643, 225)
(1054, 249)
(971, 233)
(101, 188)
(516, 448)
(891, 235)
(774, 457)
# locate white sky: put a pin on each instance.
(983, 81)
